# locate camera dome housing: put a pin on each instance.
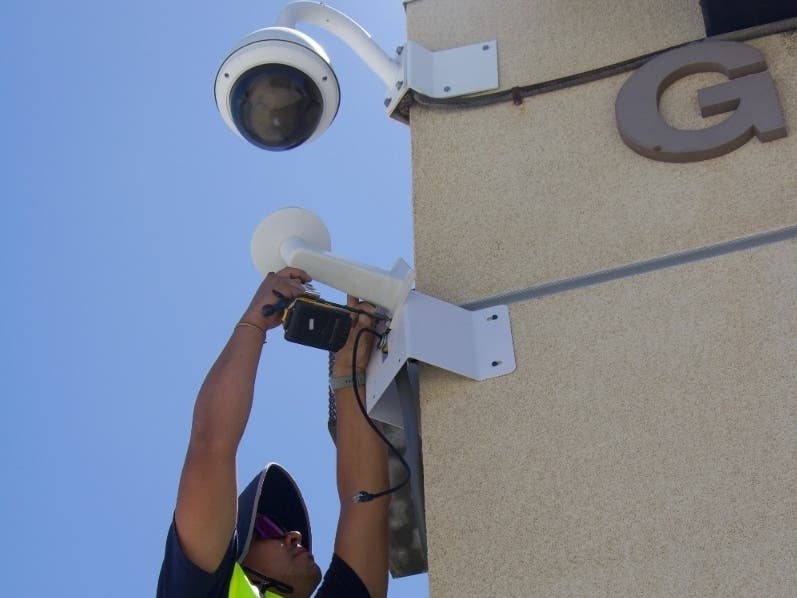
(277, 89)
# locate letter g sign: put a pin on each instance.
(750, 92)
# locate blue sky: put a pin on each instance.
(127, 212)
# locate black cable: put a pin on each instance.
(362, 495)
(270, 309)
(516, 94)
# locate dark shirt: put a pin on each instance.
(340, 581)
(181, 578)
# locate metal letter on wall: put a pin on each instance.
(750, 93)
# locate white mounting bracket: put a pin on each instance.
(445, 73)
(437, 74)
(475, 344)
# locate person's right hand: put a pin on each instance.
(345, 357)
(288, 283)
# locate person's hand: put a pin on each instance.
(345, 356)
(287, 284)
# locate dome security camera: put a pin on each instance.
(277, 89)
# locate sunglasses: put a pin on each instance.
(266, 528)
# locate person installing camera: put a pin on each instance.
(259, 543)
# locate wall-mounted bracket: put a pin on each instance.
(475, 344)
(445, 73)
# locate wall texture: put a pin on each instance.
(646, 443)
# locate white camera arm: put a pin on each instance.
(441, 74)
(297, 237)
(349, 31)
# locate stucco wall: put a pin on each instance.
(645, 446)
(646, 443)
(548, 190)
(546, 39)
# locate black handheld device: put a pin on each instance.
(316, 323)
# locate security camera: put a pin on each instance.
(277, 89)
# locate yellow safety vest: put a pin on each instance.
(241, 588)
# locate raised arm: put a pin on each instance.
(362, 535)
(207, 497)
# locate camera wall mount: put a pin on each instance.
(438, 74)
(474, 344)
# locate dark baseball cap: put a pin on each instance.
(274, 493)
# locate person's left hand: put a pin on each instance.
(288, 283)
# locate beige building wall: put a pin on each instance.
(646, 443)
